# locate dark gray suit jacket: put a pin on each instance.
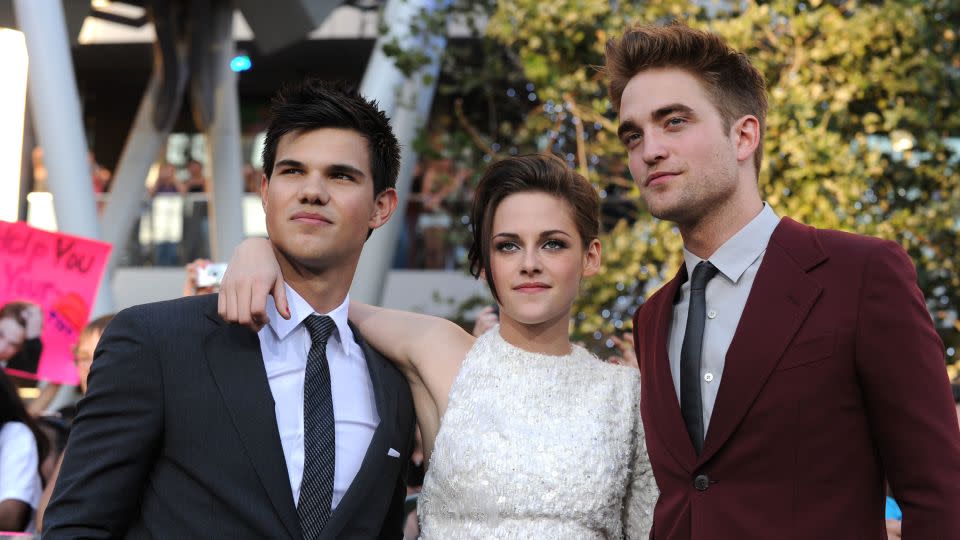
(177, 438)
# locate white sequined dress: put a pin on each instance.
(539, 447)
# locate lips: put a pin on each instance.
(531, 287)
(659, 177)
(311, 218)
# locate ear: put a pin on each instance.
(383, 207)
(745, 134)
(264, 184)
(591, 259)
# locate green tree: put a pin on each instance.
(863, 99)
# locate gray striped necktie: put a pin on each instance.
(316, 488)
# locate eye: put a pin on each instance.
(291, 170)
(507, 247)
(631, 139)
(342, 176)
(676, 121)
(554, 244)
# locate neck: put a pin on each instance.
(324, 289)
(550, 337)
(704, 236)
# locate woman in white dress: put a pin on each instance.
(527, 435)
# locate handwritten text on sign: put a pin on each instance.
(59, 272)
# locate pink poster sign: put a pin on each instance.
(61, 274)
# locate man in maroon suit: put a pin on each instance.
(787, 372)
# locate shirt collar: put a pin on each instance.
(742, 249)
(300, 310)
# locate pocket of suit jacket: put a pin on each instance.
(807, 350)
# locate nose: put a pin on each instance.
(652, 149)
(313, 190)
(530, 264)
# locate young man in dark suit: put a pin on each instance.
(192, 428)
(786, 371)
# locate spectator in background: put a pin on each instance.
(22, 447)
(196, 181)
(441, 179)
(190, 286)
(195, 227)
(251, 178)
(100, 176)
(83, 358)
(165, 250)
(39, 170)
(166, 181)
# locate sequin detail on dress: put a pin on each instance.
(538, 447)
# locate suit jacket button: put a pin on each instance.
(701, 482)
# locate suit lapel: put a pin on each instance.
(658, 385)
(375, 458)
(233, 354)
(779, 301)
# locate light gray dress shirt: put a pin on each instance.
(738, 260)
(285, 344)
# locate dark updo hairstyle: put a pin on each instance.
(542, 173)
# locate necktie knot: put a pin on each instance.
(702, 274)
(320, 328)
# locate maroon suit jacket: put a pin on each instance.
(834, 382)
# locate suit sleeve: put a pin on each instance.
(392, 528)
(114, 440)
(900, 360)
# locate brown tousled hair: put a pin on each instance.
(535, 172)
(736, 88)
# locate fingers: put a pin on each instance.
(486, 319)
(230, 295)
(258, 307)
(244, 295)
(280, 297)
(628, 355)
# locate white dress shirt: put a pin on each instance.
(738, 260)
(285, 344)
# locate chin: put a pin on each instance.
(535, 316)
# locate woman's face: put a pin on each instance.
(12, 336)
(537, 258)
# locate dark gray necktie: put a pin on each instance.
(691, 400)
(316, 488)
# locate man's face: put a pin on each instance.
(83, 355)
(680, 155)
(319, 202)
(12, 336)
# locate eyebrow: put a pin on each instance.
(335, 168)
(544, 234)
(629, 126)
